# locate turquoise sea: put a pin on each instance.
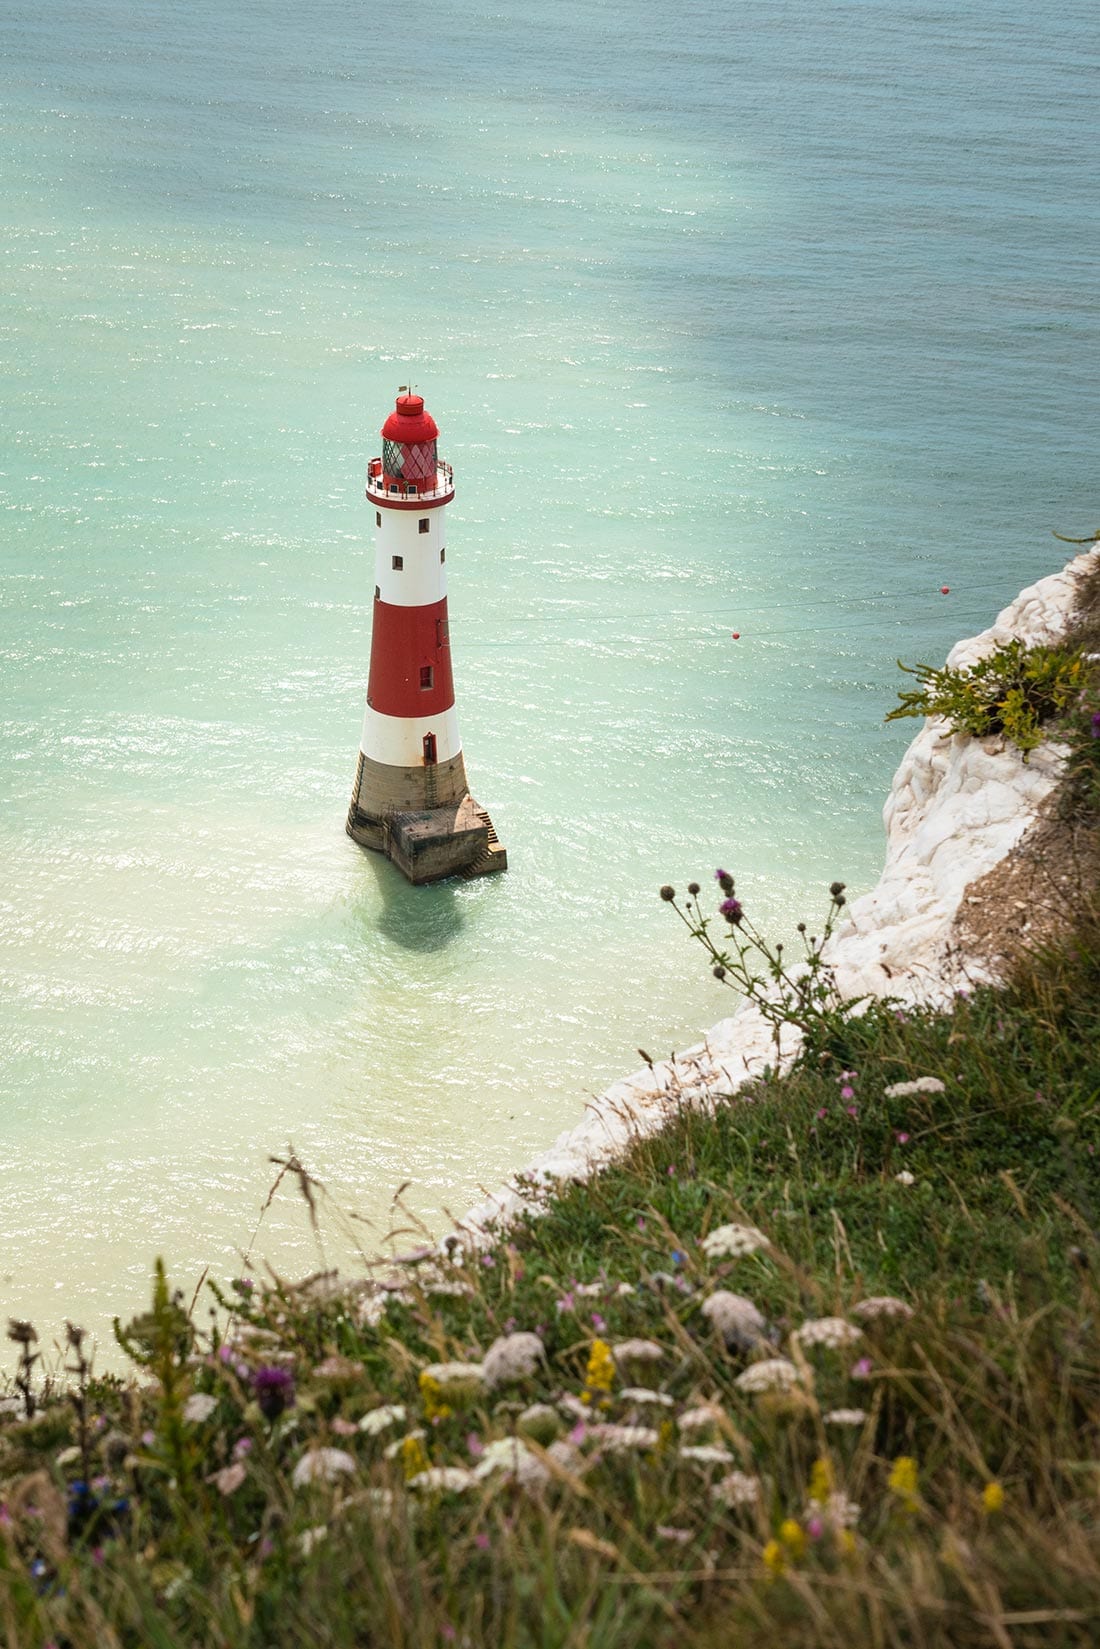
(770, 318)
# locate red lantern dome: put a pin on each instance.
(410, 424)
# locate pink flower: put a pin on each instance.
(822, 1114)
(475, 1445)
(598, 1323)
(861, 1370)
(847, 1092)
(853, 1111)
(481, 1541)
(814, 1528)
(902, 1139)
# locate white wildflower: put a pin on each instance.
(733, 1242)
(311, 1538)
(444, 1479)
(509, 1455)
(773, 1374)
(512, 1357)
(573, 1407)
(906, 1178)
(737, 1489)
(707, 1454)
(832, 1332)
(736, 1318)
(644, 1394)
(668, 1531)
(922, 1085)
(845, 1417)
(838, 1511)
(199, 1407)
(229, 1479)
(459, 1378)
(590, 1291)
(338, 1368)
(370, 1310)
(67, 1456)
(706, 1416)
(321, 1466)
(618, 1439)
(881, 1305)
(622, 1289)
(566, 1455)
(444, 1289)
(637, 1351)
(378, 1420)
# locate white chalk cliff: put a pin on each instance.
(957, 807)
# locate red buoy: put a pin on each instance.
(945, 589)
(736, 635)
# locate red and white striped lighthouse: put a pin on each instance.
(411, 800)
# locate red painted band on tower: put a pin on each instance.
(407, 641)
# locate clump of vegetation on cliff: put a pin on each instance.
(819, 1365)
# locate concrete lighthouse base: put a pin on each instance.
(433, 843)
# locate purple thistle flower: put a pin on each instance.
(1096, 725)
(731, 909)
(274, 1388)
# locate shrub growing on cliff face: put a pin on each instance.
(1012, 692)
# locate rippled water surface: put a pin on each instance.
(769, 319)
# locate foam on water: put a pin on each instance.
(770, 322)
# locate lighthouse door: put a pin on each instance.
(429, 749)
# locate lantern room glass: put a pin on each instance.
(413, 461)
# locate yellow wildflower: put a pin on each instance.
(432, 1394)
(846, 1543)
(821, 1480)
(903, 1480)
(993, 1497)
(774, 1559)
(599, 1376)
(413, 1458)
(793, 1537)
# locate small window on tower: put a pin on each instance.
(398, 563)
(443, 554)
(427, 675)
(424, 523)
(378, 518)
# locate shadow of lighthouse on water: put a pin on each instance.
(421, 919)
